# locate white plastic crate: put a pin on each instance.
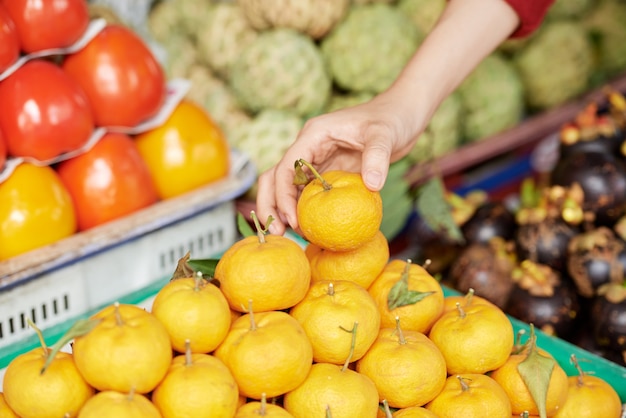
(59, 283)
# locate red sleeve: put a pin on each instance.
(531, 14)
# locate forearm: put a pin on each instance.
(467, 32)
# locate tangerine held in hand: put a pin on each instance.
(338, 212)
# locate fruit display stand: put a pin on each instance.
(125, 260)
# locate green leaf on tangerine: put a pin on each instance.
(401, 295)
(536, 371)
(204, 265)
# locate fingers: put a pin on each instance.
(375, 164)
(266, 202)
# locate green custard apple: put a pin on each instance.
(492, 97)
(423, 13)
(311, 17)
(226, 32)
(443, 134)
(556, 65)
(367, 50)
(281, 69)
(607, 26)
(266, 138)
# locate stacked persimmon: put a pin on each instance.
(282, 331)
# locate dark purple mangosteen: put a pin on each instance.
(491, 219)
(609, 317)
(547, 219)
(543, 297)
(486, 268)
(594, 260)
(602, 178)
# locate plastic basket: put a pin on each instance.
(125, 260)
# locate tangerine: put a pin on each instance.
(270, 270)
(337, 211)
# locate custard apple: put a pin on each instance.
(311, 17)
(358, 2)
(281, 69)
(569, 9)
(492, 97)
(607, 26)
(367, 50)
(266, 138)
(226, 32)
(423, 13)
(339, 101)
(443, 134)
(556, 65)
(164, 21)
(180, 55)
(210, 92)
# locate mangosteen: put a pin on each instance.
(609, 317)
(594, 260)
(548, 218)
(601, 176)
(491, 219)
(541, 296)
(486, 268)
(592, 130)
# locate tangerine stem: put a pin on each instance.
(131, 393)
(39, 335)
(464, 386)
(325, 184)
(386, 409)
(188, 359)
(399, 330)
(427, 263)
(581, 373)
(462, 313)
(259, 231)
(328, 414)
(198, 280)
(469, 297)
(263, 409)
(524, 414)
(352, 346)
(331, 289)
(118, 315)
(251, 312)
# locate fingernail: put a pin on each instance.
(273, 229)
(373, 179)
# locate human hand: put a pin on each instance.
(365, 138)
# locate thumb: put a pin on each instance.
(375, 165)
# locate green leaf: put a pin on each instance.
(243, 226)
(432, 206)
(536, 371)
(400, 295)
(204, 265)
(80, 328)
